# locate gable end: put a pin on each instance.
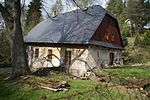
(108, 32)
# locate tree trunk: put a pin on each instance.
(17, 46)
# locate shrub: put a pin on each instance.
(135, 58)
(125, 56)
(138, 40)
(5, 56)
(146, 40)
(143, 61)
(125, 41)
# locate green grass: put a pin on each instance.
(6, 69)
(24, 91)
(17, 93)
(128, 71)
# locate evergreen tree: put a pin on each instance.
(146, 40)
(116, 7)
(33, 16)
(138, 12)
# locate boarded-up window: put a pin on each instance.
(111, 58)
(36, 55)
(49, 55)
(67, 57)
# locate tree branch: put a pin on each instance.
(4, 12)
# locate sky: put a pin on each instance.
(67, 6)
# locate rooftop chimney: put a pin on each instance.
(53, 14)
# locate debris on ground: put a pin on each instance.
(54, 85)
(22, 78)
(103, 78)
(44, 83)
(1, 73)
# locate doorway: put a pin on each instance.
(111, 58)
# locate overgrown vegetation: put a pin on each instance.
(137, 50)
(5, 58)
(132, 15)
(79, 89)
(143, 40)
(33, 16)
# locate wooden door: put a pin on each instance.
(111, 58)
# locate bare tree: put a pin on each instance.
(82, 3)
(11, 12)
(58, 7)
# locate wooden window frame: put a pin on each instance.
(49, 55)
(36, 53)
(32, 52)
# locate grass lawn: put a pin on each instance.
(139, 72)
(24, 91)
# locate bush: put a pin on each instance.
(125, 41)
(138, 40)
(5, 56)
(146, 40)
(143, 61)
(125, 56)
(125, 30)
(135, 58)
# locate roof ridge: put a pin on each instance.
(83, 10)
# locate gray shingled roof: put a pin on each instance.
(103, 44)
(75, 27)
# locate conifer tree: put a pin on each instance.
(116, 7)
(138, 12)
(33, 16)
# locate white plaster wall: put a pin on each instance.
(41, 60)
(90, 58)
(97, 56)
(78, 67)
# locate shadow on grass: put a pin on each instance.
(6, 90)
(12, 92)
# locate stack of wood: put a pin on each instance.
(54, 85)
(44, 83)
